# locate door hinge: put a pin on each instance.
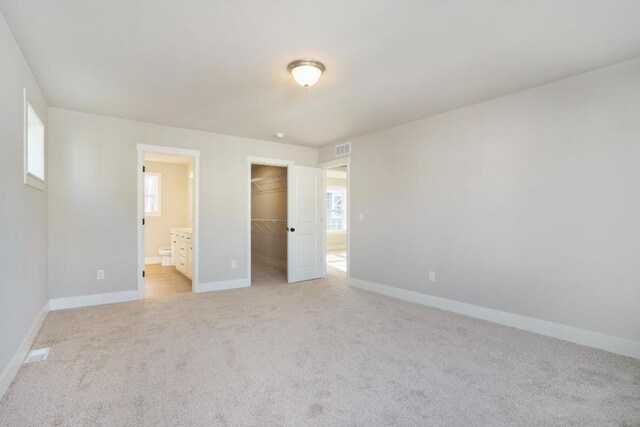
(142, 221)
(143, 168)
(142, 273)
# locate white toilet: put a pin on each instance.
(165, 253)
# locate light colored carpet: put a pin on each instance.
(317, 353)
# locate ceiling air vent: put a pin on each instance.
(343, 149)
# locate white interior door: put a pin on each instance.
(305, 223)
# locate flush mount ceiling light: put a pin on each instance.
(306, 72)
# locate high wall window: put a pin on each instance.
(152, 182)
(34, 153)
(336, 209)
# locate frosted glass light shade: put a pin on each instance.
(306, 72)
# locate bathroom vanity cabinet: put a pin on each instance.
(182, 250)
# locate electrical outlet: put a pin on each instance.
(432, 276)
(234, 263)
(100, 274)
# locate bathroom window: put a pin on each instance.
(33, 148)
(152, 182)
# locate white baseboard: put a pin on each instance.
(11, 370)
(585, 337)
(269, 260)
(222, 285)
(153, 260)
(96, 299)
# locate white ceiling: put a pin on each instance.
(221, 65)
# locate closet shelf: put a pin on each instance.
(271, 226)
(268, 183)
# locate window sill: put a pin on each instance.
(34, 181)
(337, 232)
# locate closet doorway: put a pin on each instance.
(168, 229)
(268, 224)
(285, 220)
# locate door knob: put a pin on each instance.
(291, 229)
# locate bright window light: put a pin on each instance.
(152, 194)
(34, 148)
(336, 209)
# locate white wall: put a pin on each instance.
(174, 209)
(337, 241)
(93, 211)
(528, 203)
(23, 212)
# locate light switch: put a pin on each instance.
(361, 217)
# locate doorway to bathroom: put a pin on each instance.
(167, 232)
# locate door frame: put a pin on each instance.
(265, 161)
(175, 151)
(344, 161)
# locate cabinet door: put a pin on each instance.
(182, 249)
(181, 266)
(190, 262)
(174, 248)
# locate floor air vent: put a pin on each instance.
(343, 149)
(37, 355)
